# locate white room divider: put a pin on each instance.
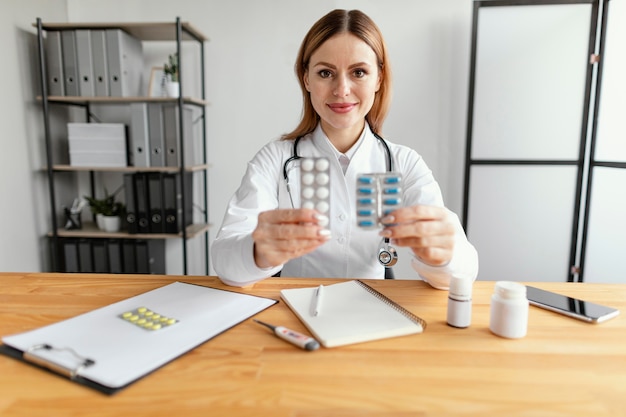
(534, 86)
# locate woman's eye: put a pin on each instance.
(325, 73)
(359, 73)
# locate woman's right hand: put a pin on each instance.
(285, 234)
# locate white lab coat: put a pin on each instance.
(352, 252)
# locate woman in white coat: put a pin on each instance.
(344, 74)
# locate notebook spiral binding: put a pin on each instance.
(70, 373)
(394, 305)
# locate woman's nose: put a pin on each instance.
(342, 87)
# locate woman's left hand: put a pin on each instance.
(427, 230)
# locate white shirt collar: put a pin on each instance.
(344, 158)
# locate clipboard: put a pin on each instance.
(111, 347)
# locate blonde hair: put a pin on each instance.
(337, 22)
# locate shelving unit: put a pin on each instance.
(177, 32)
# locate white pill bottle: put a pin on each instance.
(509, 310)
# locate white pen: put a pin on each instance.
(318, 296)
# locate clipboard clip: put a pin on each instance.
(84, 362)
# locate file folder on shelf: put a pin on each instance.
(54, 56)
(131, 207)
(70, 255)
(104, 351)
(85, 257)
(170, 204)
(100, 64)
(173, 202)
(192, 135)
(129, 259)
(142, 257)
(155, 191)
(157, 142)
(114, 253)
(125, 59)
(85, 62)
(100, 256)
(70, 63)
(139, 135)
(171, 132)
(149, 256)
(141, 204)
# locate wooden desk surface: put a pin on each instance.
(563, 367)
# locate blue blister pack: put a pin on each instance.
(377, 194)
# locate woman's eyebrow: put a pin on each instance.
(329, 65)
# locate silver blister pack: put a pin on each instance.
(315, 186)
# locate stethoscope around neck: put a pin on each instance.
(387, 255)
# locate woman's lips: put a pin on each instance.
(341, 107)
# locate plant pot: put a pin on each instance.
(172, 89)
(108, 223)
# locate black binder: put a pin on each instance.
(131, 207)
(100, 258)
(156, 256)
(85, 260)
(70, 255)
(170, 204)
(142, 256)
(173, 202)
(129, 260)
(155, 192)
(141, 203)
(188, 200)
(114, 251)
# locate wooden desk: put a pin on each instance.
(563, 367)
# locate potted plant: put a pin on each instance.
(170, 69)
(107, 210)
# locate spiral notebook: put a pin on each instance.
(113, 346)
(351, 312)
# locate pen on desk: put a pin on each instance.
(318, 297)
(301, 340)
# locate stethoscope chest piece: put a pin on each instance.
(387, 254)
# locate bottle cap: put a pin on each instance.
(461, 286)
(510, 289)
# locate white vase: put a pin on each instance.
(172, 89)
(108, 223)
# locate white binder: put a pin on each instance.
(70, 64)
(54, 56)
(106, 351)
(125, 59)
(100, 65)
(171, 131)
(85, 62)
(139, 135)
(157, 140)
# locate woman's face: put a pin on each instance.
(342, 79)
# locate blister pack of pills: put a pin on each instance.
(147, 319)
(377, 195)
(315, 186)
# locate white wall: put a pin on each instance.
(253, 92)
(23, 189)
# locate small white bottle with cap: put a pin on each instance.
(460, 302)
(509, 310)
